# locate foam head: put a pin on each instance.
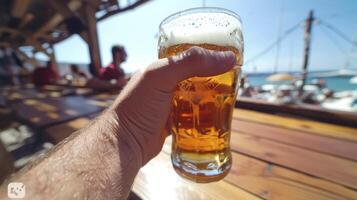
(210, 26)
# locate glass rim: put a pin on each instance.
(198, 10)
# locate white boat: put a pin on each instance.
(341, 72)
(344, 101)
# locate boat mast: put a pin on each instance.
(307, 42)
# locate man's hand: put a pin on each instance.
(143, 106)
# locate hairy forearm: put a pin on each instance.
(96, 163)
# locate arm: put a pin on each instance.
(102, 160)
(93, 163)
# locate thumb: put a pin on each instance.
(195, 61)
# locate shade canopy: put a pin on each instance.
(281, 77)
(40, 23)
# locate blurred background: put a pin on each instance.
(274, 43)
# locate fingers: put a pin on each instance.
(196, 61)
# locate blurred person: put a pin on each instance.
(77, 74)
(114, 71)
(10, 66)
(111, 76)
(45, 75)
(5, 69)
(101, 160)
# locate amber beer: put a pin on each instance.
(202, 113)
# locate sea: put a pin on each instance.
(337, 83)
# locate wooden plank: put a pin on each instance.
(298, 124)
(158, 180)
(59, 132)
(274, 182)
(328, 167)
(333, 146)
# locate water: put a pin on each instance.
(337, 84)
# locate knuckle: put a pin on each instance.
(194, 53)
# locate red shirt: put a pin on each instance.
(44, 75)
(111, 72)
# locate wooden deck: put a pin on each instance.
(274, 157)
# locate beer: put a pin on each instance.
(201, 112)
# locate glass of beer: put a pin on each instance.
(202, 107)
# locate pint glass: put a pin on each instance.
(202, 107)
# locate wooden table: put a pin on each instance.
(21, 93)
(44, 112)
(78, 88)
(17, 93)
(274, 157)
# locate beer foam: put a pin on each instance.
(199, 28)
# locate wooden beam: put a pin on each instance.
(38, 47)
(28, 59)
(54, 21)
(119, 10)
(93, 45)
(53, 57)
(9, 30)
(62, 8)
(19, 8)
(26, 19)
(66, 12)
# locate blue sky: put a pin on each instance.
(137, 30)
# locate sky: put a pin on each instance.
(263, 22)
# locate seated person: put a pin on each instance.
(75, 76)
(113, 71)
(77, 73)
(112, 76)
(45, 75)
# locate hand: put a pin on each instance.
(143, 107)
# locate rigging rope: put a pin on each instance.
(270, 47)
(324, 30)
(338, 32)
